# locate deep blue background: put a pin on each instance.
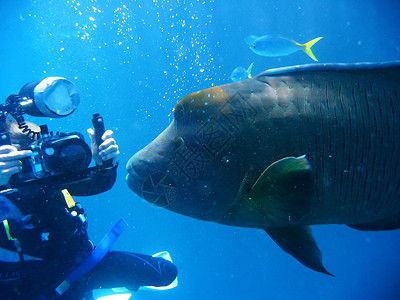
(135, 59)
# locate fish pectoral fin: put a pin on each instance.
(285, 189)
(299, 242)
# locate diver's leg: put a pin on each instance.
(10, 280)
(32, 280)
(130, 270)
(22, 280)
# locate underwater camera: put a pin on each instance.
(60, 156)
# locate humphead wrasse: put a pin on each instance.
(289, 148)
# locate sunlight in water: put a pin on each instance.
(139, 31)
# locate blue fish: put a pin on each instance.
(275, 45)
(241, 73)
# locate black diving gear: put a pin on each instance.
(43, 231)
(54, 242)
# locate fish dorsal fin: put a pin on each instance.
(299, 242)
(250, 39)
(284, 190)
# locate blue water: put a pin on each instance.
(132, 60)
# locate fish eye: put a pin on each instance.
(179, 143)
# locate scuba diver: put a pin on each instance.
(45, 251)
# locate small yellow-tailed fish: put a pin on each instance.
(276, 45)
(240, 73)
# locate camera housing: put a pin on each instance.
(61, 154)
(56, 159)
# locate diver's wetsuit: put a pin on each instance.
(58, 243)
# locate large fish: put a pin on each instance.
(289, 148)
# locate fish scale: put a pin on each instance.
(344, 111)
(347, 115)
(357, 120)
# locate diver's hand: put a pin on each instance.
(10, 162)
(108, 148)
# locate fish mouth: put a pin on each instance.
(134, 176)
(150, 175)
(157, 187)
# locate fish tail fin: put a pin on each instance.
(307, 47)
(249, 70)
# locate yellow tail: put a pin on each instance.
(307, 47)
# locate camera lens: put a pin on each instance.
(73, 157)
(65, 154)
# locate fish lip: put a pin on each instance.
(138, 167)
(134, 180)
(132, 172)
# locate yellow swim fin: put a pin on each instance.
(307, 47)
